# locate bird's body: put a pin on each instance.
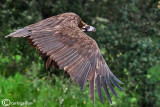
(60, 39)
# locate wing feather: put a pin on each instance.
(79, 74)
(99, 90)
(63, 55)
(43, 42)
(55, 49)
(84, 77)
(66, 68)
(48, 48)
(106, 89)
(43, 38)
(76, 68)
(48, 62)
(110, 87)
(114, 83)
(38, 35)
(92, 85)
(70, 59)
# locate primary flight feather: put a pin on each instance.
(61, 40)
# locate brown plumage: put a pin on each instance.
(61, 40)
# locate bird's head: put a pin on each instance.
(86, 28)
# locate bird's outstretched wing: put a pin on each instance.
(62, 41)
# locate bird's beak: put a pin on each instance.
(91, 29)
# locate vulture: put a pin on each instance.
(62, 41)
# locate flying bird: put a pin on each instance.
(62, 41)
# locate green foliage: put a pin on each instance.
(58, 91)
(128, 34)
(44, 92)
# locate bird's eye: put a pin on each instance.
(87, 27)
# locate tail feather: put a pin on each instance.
(24, 32)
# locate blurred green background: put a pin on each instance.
(128, 34)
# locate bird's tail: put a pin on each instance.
(24, 32)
